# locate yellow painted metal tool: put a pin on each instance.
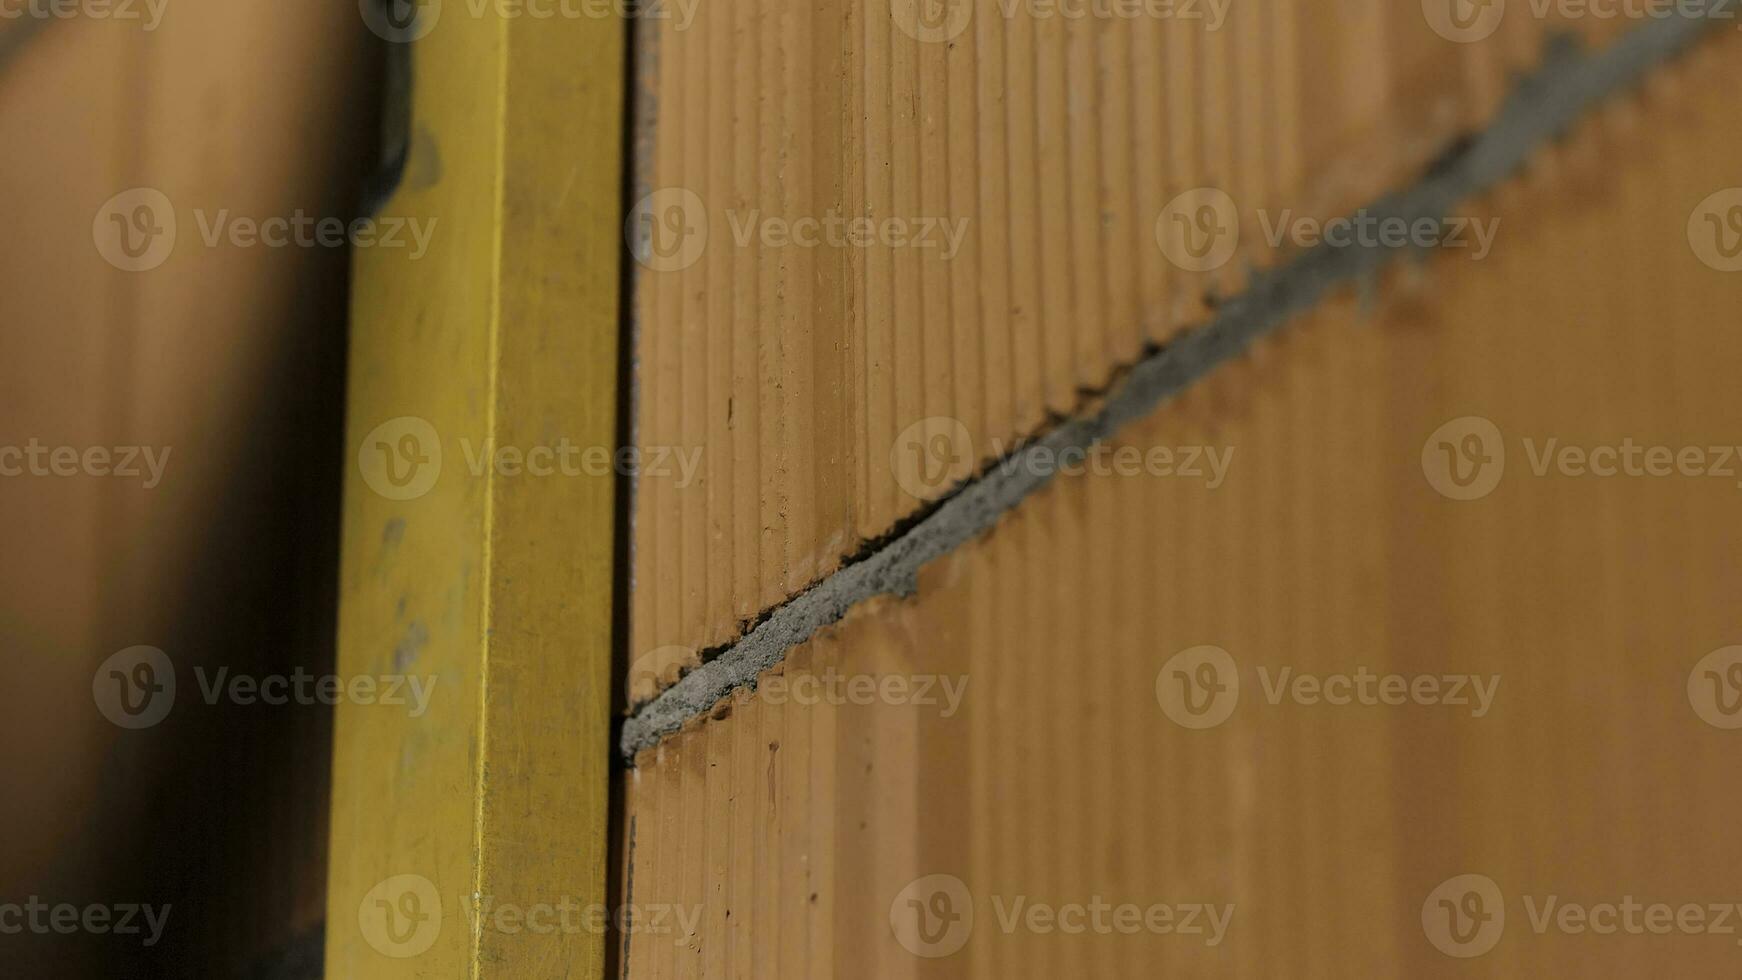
(468, 840)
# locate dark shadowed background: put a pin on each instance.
(226, 361)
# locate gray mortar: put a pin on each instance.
(1540, 109)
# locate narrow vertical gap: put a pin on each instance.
(619, 843)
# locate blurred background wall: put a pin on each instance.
(226, 362)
